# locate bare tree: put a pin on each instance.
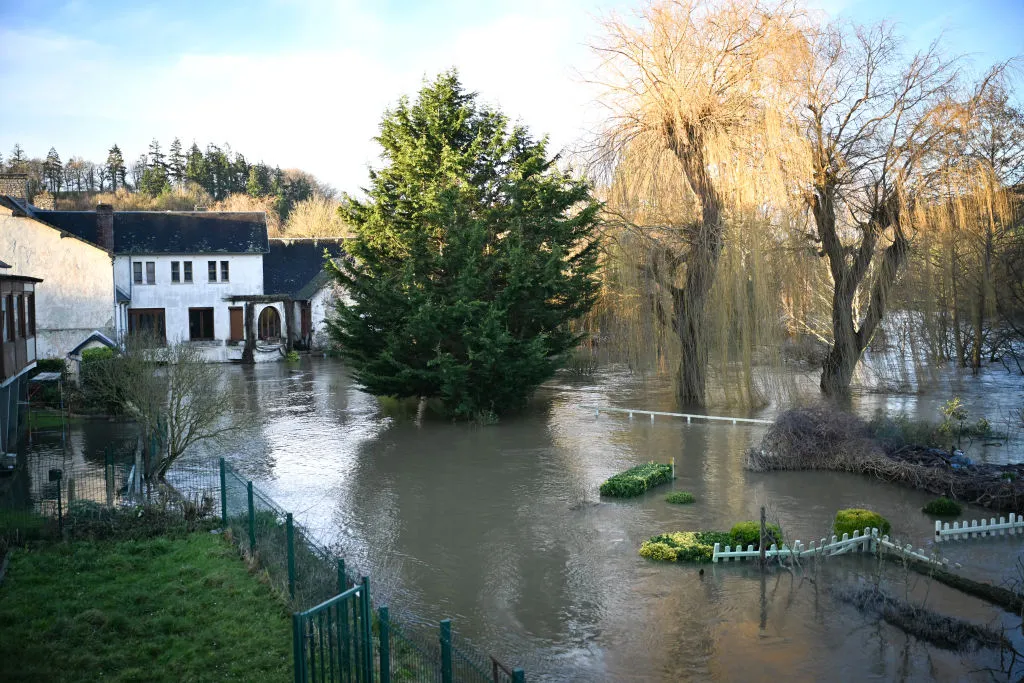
(701, 127)
(175, 396)
(316, 216)
(872, 121)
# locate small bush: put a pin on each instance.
(679, 498)
(51, 365)
(683, 546)
(856, 519)
(749, 533)
(98, 353)
(636, 480)
(943, 507)
(292, 357)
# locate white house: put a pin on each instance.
(78, 299)
(182, 276)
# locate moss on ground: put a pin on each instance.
(158, 609)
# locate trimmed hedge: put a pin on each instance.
(680, 498)
(856, 519)
(749, 533)
(636, 480)
(683, 546)
(943, 507)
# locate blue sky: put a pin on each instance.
(303, 83)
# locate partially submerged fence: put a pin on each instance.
(331, 640)
(868, 541)
(974, 528)
(689, 416)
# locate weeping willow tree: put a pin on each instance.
(694, 160)
(961, 275)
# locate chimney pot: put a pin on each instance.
(105, 226)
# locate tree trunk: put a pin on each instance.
(702, 258)
(958, 337)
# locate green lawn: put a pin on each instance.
(163, 609)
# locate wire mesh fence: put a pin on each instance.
(311, 574)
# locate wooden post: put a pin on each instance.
(249, 351)
(764, 537)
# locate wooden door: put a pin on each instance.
(237, 326)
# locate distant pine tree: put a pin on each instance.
(53, 171)
(176, 163)
(473, 254)
(116, 171)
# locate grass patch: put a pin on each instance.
(856, 519)
(943, 507)
(683, 546)
(636, 480)
(158, 609)
(680, 498)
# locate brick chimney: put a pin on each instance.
(105, 226)
(14, 185)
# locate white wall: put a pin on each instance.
(76, 296)
(245, 278)
(322, 308)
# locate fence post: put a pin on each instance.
(223, 492)
(518, 676)
(290, 529)
(252, 519)
(446, 651)
(385, 645)
(367, 629)
(108, 472)
(298, 650)
(342, 581)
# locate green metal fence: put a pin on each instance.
(310, 574)
(334, 640)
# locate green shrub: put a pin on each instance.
(856, 519)
(51, 365)
(292, 357)
(683, 546)
(943, 507)
(679, 498)
(636, 480)
(97, 354)
(749, 533)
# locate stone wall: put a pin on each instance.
(14, 185)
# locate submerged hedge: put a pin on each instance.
(636, 480)
(683, 546)
(857, 519)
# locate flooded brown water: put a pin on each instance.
(501, 529)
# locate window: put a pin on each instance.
(22, 318)
(175, 271)
(200, 324)
(211, 270)
(3, 313)
(150, 272)
(31, 305)
(137, 272)
(147, 321)
(188, 271)
(223, 271)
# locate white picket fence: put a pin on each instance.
(867, 541)
(978, 528)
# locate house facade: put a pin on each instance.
(78, 299)
(212, 279)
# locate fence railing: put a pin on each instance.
(867, 541)
(311, 574)
(974, 528)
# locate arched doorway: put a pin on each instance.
(269, 324)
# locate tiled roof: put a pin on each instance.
(169, 232)
(295, 267)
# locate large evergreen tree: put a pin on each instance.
(53, 171)
(176, 163)
(473, 254)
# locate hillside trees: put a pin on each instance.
(473, 253)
